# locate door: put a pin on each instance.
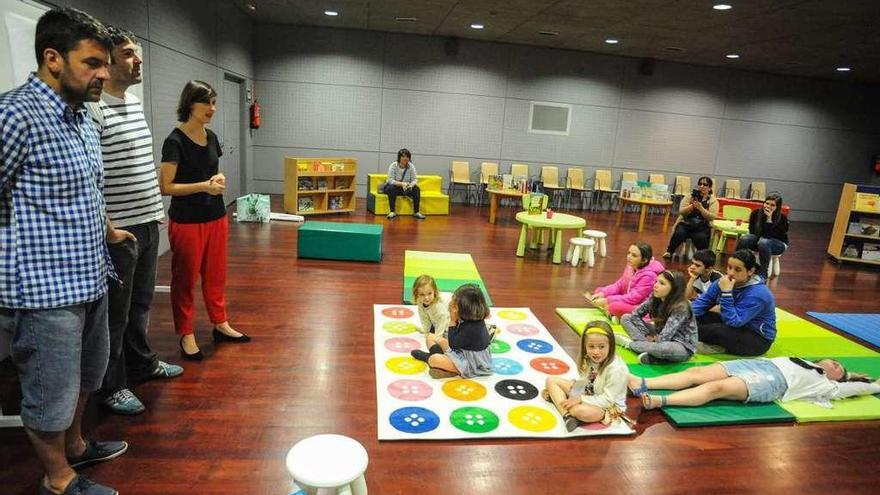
(233, 122)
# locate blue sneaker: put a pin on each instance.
(98, 452)
(124, 402)
(81, 486)
(166, 370)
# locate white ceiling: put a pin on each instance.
(799, 37)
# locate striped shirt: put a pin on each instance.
(131, 186)
(52, 221)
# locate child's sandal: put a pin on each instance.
(545, 394)
(440, 373)
(641, 390)
(648, 401)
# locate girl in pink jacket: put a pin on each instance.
(633, 287)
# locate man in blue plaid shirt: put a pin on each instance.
(53, 258)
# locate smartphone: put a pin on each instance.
(695, 194)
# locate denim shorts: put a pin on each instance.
(763, 379)
(59, 353)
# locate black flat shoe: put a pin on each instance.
(222, 337)
(197, 356)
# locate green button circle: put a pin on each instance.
(474, 419)
(499, 347)
(399, 327)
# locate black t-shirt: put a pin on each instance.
(469, 335)
(195, 163)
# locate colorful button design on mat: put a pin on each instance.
(499, 347)
(550, 366)
(402, 344)
(414, 420)
(464, 390)
(398, 312)
(411, 390)
(516, 390)
(504, 366)
(512, 314)
(405, 365)
(531, 418)
(474, 419)
(535, 346)
(523, 329)
(399, 327)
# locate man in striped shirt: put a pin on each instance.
(134, 203)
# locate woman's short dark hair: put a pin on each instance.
(63, 29)
(193, 92)
(403, 152)
(645, 251)
(747, 257)
(470, 303)
(707, 180)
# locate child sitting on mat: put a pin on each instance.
(600, 389)
(701, 273)
(466, 351)
(433, 309)
(633, 287)
(756, 380)
(672, 334)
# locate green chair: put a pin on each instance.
(721, 235)
(538, 233)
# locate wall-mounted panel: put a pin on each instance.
(666, 142)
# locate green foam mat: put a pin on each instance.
(866, 407)
(450, 270)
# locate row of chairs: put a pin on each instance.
(576, 184)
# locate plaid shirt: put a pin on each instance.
(52, 220)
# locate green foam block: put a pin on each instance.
(450, 271)
(722, 412)
(339, 241)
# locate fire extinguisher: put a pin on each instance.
(255, 114)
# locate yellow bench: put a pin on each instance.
(433, 201)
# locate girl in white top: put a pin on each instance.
(601, 386)
(433, 308)
(756, 380)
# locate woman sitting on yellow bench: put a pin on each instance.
(403, 180)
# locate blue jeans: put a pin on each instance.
(765, 247)
(59, 353)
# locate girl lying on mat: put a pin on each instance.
(466, 351)
(600, 391)
(433, 310)
(756, 380)
(633, 286)
(671, 336)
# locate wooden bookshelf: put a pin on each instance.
(846, 214)
(319, 185)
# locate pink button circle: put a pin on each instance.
(402, 344)
(411, 390)
(397, 312)
(523, 329)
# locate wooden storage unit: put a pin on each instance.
(847, 213)
(314, 186)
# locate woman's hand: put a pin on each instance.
(213, 188)
(725, 283)
(219, 178)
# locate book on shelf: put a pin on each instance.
(304, 184)
(864, 228)
(507, 181)
(871, 251)
(336, 202)
(322, 183)
(866, 202)
(305, 204)
(342, 184)
(850, 251)
(494, 182)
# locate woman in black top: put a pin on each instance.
(768, 232)
(695, 218)
(197, 226)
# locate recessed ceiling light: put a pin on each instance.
(477, 26)
(732, 55)
(251, 6)
(843, 69)
(548, 33)
(405, 19)
(722, 6)
(674, 49)
(331, 13)
(612, 41)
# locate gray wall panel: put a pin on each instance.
(421, 63)
(321, 56)
(666, 142)
(590, 141)
(565, 76)
(189, 27)
(234, 40)
(676, 88)
(319, 116)
(441, 123)
(128, 14)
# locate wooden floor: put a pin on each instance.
(225, 426)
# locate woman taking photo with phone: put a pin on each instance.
(695, 218)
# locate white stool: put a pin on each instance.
(599, 237)
(774, 270)
(329, 461)
(579, 244)
(685, 251)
